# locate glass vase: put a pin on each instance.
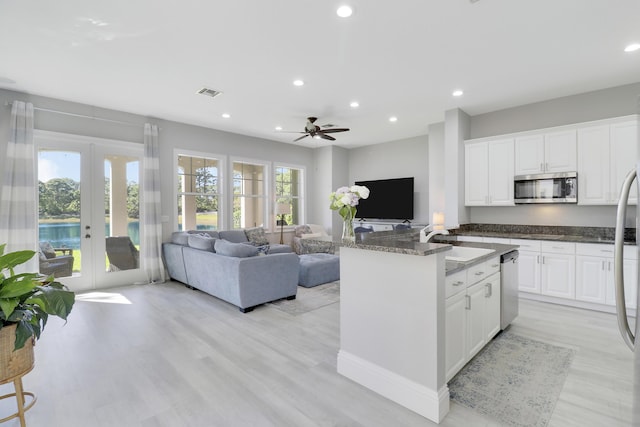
(348, 234)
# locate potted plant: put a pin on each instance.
(26, 302)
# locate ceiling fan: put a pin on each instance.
(315, 131)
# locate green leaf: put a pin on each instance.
(12, 259)
(2, 246)
(24, 331)
(17, 286)
(7, 305)
(57, 302)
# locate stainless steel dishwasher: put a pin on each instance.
(508, 288)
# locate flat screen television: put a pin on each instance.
(388, 199)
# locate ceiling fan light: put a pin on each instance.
(344, 11)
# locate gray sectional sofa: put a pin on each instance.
(237, 266)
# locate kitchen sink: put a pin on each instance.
(465, 253)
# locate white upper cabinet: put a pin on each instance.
(606, 154)
(546, 153)
(489, 173)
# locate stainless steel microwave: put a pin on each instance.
(559, 187)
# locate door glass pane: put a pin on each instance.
(122, 212)
(59, 212)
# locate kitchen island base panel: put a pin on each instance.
(418, 398)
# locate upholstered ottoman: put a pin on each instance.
(316, 269)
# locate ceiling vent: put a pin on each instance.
(209, 92)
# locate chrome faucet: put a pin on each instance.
(424, 238)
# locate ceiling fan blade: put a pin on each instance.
(289, 131)
(333, 130)
(298, 139)
(323, 136)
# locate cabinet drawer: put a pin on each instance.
(469, 239)
(558, 247)
(456, 282)
(594, 249)
(500, 240)
(476, 273)
(527, 245)
(492, 265)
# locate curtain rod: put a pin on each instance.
(84, 116)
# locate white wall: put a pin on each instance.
(397, 159)
(437, 170)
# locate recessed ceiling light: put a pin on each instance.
(278, 128)
(226, 115)
(393, 119)
(632, 47)
(298, 83)
(344, 11)
(354, 104)
(457, 92)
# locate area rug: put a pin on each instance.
(514, 379)
(309, 299)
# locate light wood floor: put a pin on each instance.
(165, 355)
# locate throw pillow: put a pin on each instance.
(47, 250)
(263, 250)
(204, 243)
(180, 238)
(238, 250)
(302, 229)
(256, 236)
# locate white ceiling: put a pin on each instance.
(401, 58)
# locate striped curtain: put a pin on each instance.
(152, 225)
(18, 211)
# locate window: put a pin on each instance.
(198, 193)
(249, 194)
(289, 190)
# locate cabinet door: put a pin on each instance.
(529, 272)
(476, 180)
(624, 151)
(593, 166)
(630, 271)
(492, 307)
(501, 172)
(592, 278)
(558, 275)
(529, 155)
(560, 151)
(455, 338)
(475, 318)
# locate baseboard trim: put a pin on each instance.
(431, 404)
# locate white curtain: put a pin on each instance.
(18, 211)
(152, 225)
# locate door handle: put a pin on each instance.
(488, 291)
(468, 303)
(87, 236)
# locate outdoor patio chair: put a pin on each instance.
(60, 265)
(122, 254)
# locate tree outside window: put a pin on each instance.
(198, 193)
(249, 194)
(289, 191)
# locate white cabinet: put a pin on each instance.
(606, 154)
(528, 265)
(557, 269)
(550, 152)
(595, 278)
(489, 173)
(472, 312)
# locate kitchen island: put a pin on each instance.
(392, 318)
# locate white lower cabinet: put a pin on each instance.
(557, 269)
(472, 314)
(594, 274)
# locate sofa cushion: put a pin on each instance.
(203, 242)
(256, 236)
(234, 236)
(210, 233)
(239, 250)
(180, 238)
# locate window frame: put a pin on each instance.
(267, 165)
(301, 198)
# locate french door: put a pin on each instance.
(89, 210)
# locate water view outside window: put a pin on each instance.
(248, 195)
(198, 193)
(289, 190)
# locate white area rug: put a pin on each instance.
(309, 299)
(514, 379)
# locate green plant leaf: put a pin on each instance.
(2, 246)
(7, 305)
(24, 331)
(12, 259)
(57, 302)
(17, 286)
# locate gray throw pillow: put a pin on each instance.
(204, 243)
(47, 250)
(256, 236)
(180, 238)
(238, 250)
